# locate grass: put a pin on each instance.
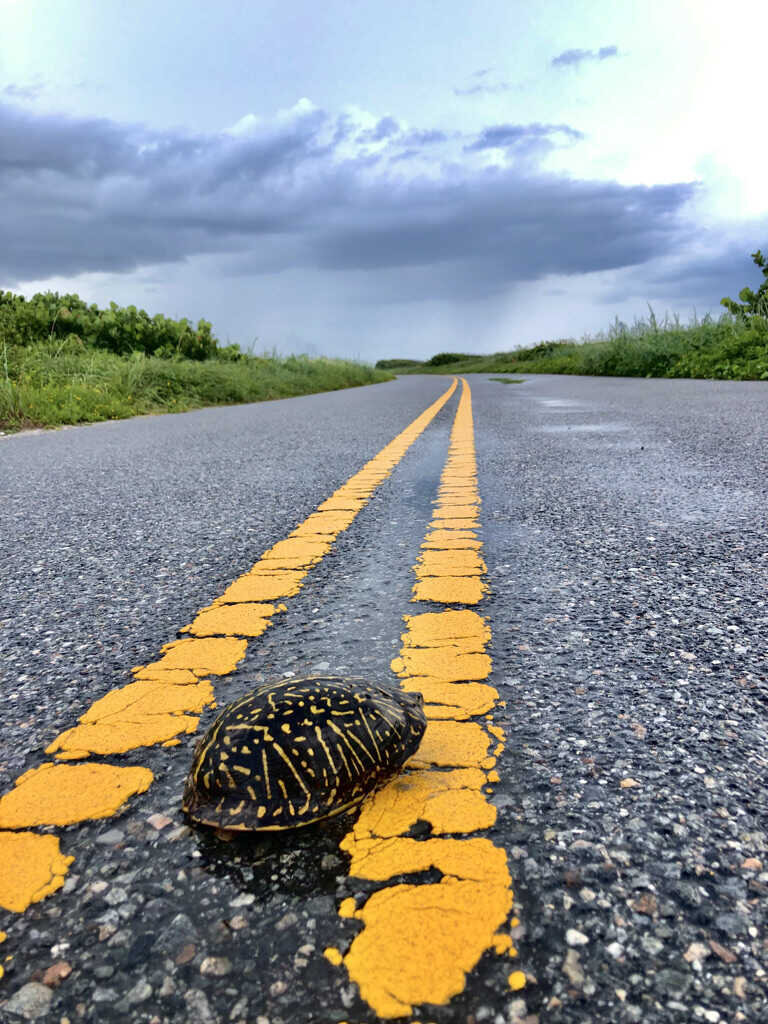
(52, 383)
(56, 381)
(508, 380)
(731, 348)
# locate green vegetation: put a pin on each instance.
(49, 316)
(62, 361)
(445, 358)
(726, 349)
(508, 380)
(755, 303)
(397, 364)
(735, 347)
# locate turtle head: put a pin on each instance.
(411, 700)
(412, 704)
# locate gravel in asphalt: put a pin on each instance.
(624, 533)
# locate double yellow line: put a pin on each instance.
(167, 696)
(419, 941)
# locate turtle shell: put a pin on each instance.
(294, 752)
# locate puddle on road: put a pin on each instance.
(584, 428)
(561, 404)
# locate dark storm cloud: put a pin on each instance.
(496, 230)
(570, 57)
(31, 144)
(702, 278)
(88, 194)
(91, 195)
(501, 136)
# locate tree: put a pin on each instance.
(752, 303)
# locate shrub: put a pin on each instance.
(391, 364)
(50, 316)
(754, 303)
(443, 358)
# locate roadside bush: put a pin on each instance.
(754, 303)
(735, 351)
(48, 316)
(391, 364)
(444, 358)
(735, 347)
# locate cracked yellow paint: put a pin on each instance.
(347, 907)
(168, 676)
(262, 585)
(448, 744)
(453, 511)
(155, 708)
(343, 500)
(450, 801)
(327, 523)
(33, 867)
(449, 589)
(448, 540)
(149, 698)
(217, 655)
(461, 561)
(62, 794)
(138, 715)
(298, 552)
(458, 628)
(474, 859)
(248, 619)
(452, 700)
(448, 663)
(443, 523)
(419, 941)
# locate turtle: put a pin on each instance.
(294, 752)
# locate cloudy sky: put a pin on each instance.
(371, 179)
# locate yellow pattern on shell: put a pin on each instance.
(298, 751)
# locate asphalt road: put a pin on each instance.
(624, 531)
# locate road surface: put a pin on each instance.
(585, 837)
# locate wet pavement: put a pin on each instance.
(624, 530)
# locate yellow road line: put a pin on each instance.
(168, 695)
(419, 942)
